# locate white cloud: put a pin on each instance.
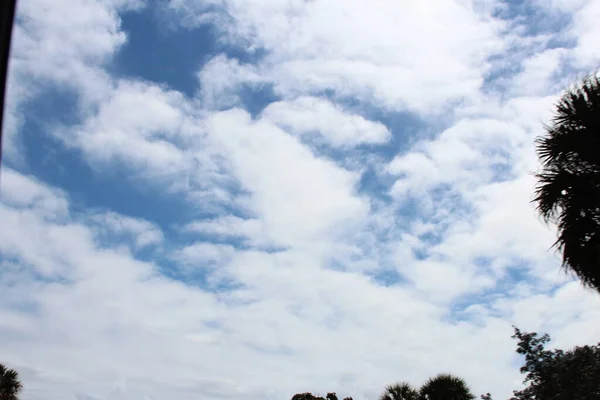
(22, 191)
(154, 135)
(366, 54)
(581, 28)
(455, 156)
(221, 79)
(538, 77)
(136, 124)
(205, 255)
(302, 199)
(232, 227)
(144, 232)
(504, 230)
(586, 31)
(314, 116)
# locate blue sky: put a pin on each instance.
(224, 198)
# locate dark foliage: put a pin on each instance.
(568, 191)
(310, 396)
(446, 387)
(440, 387)
(400, 391)
(557, 374)
(10, 386)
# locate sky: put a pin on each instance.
(228, 199)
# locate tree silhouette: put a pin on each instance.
(557, 374)
(310, 396)
(568, 191)
(400, 391)
(440, 387)
(446, 387)
(10, 386)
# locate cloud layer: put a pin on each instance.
(343, 202)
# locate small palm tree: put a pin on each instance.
(445, 387)
(10, 386)
(568, 190)
(400, 391)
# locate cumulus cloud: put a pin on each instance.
(314, 116)
(368, 53)
(27, 192)
(144, 233)
(139, 117)
(290, 187)
(221, 79)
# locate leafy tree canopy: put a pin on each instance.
(557, 374)
(310, 396)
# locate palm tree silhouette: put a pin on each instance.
(10, 386)
(400, 391)
(568, 191)
(445, 387)
(440, 387)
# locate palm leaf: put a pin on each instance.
(568, 190)
(10, 386)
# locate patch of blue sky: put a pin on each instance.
(386, 277)
(254, 98)
(406, 130)
(376, 185)
(156, 53)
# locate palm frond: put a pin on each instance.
(568, 190)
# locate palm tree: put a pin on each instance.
(399, 391)
(568, 191)
(445, 387)
(10, 386)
